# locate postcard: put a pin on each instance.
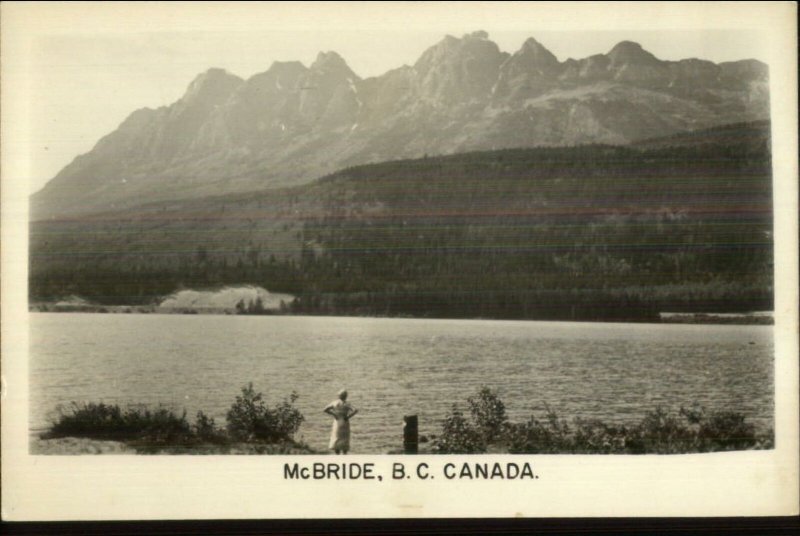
(399, 260)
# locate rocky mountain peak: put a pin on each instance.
(331, 62)
(212, 86)
(281, 75)
(529, 72)
(281, 78)
(629, 52)
(479, 35)
(535, 55)
(459, 69)
(475, 45)
(532, 45)
(213, 74)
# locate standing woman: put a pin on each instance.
(341, 412)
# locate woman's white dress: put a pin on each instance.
(340, 433)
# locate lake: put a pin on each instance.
(394, 367)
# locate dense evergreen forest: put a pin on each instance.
(589, 232)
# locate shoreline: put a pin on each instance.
(749, 318)
(74, 445)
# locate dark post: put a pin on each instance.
(410, 434)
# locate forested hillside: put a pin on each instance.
(591, 232)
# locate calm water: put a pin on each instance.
(394, 367)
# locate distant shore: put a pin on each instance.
(757, 318)
(748, 318)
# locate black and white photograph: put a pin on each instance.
(441, 245)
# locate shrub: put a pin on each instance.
(489, 414)
(160, 426)
(109, 422)
(161, 430)
(205, 429)
(727, 430)
(458, 436)
(662, 433)
(249, 419)
(722, 430)
(596, 437)
(659, 432)
(534, 436)
(88, 420)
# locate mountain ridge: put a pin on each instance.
(292, 123)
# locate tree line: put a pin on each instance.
(590, 232)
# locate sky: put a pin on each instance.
(84, 78)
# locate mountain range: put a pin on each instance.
(292, 124)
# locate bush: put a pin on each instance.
(109, 422)
(249, 419)
(723, 430)
(659, 432)
(534, 436)
(663, 433)
(161, 428)
(596, 437)
(488, 413)
(88, 420)
(205, 430)
(459, 436)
